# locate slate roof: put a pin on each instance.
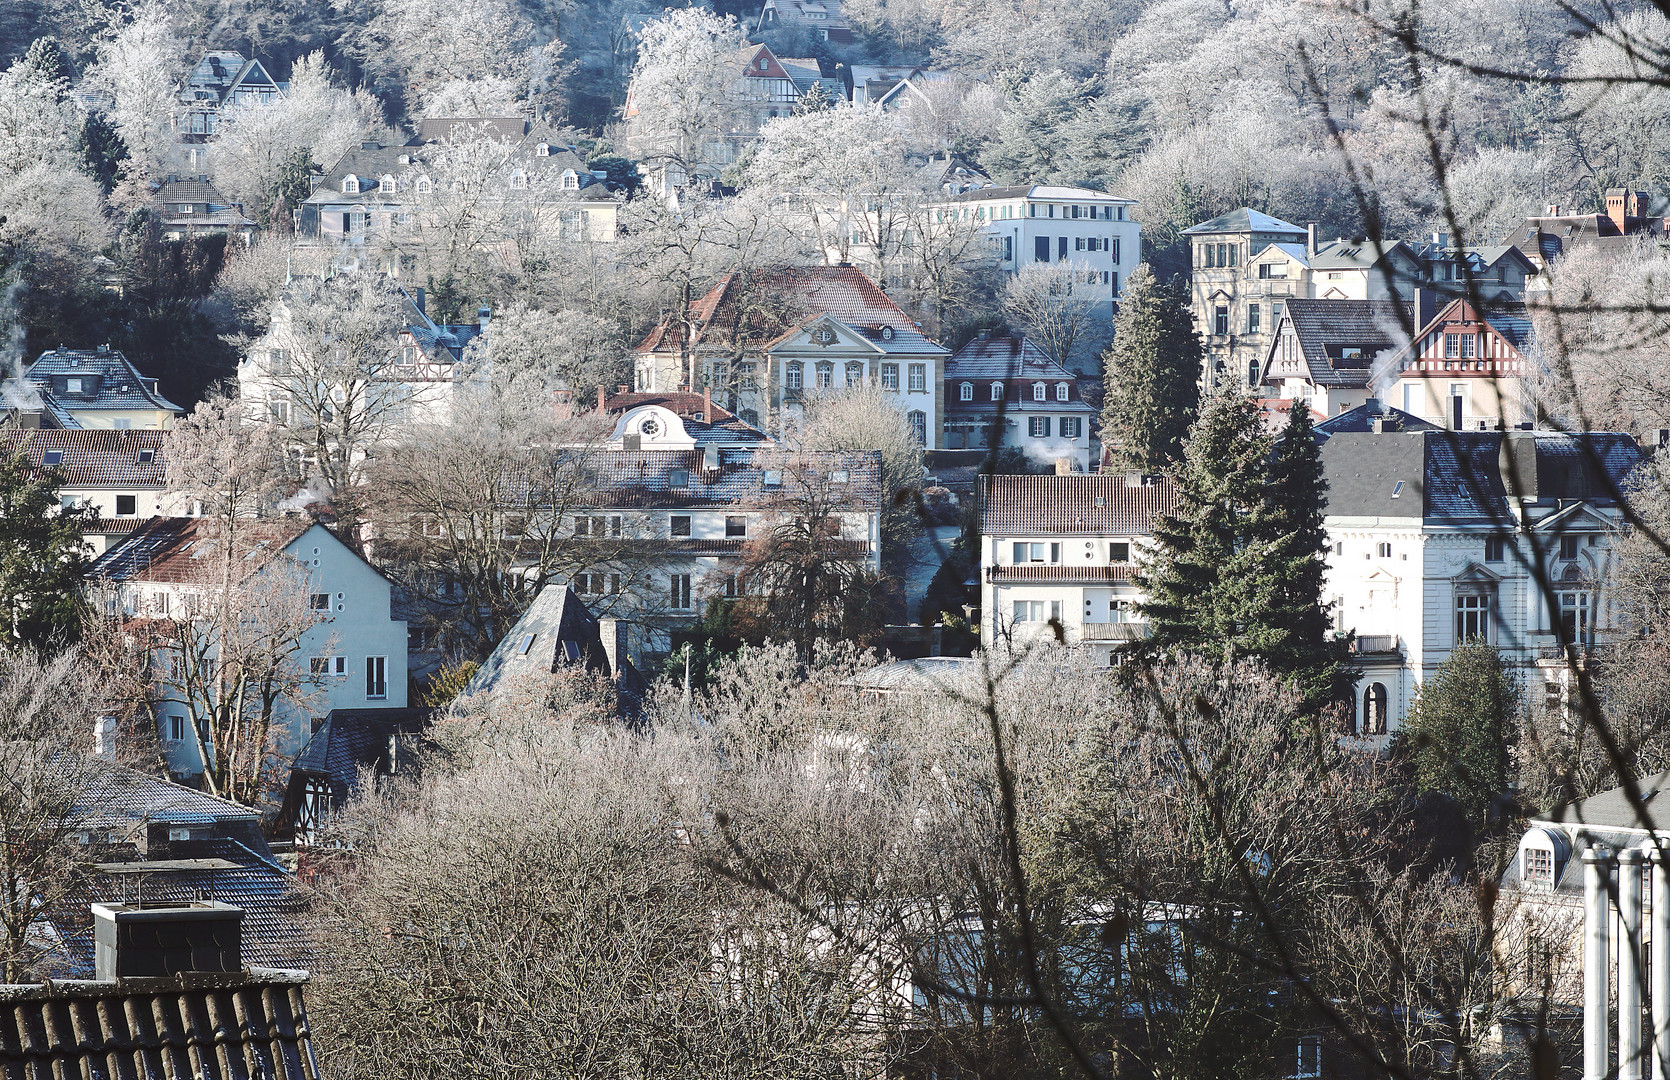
(922, 673)
(1066, 505)
(1244, 220)
(353, 739)
(93, 458)
(558, 630)
(114, 795)
(189, 190)
(1003, 355)
(119, 384)
(207, 1027)
(642, 478)
(841, 292)
(1355, 254)
(1325, 327)
(441, 128)
(1452, 477)
(1612, 809)
(175, 550)
(1361, 421)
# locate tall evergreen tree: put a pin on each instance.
(41, 559)
(1153, 373)
(1285, 619)
(1455, 738)
(1194, 599)
(1238, 569)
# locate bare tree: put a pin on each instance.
(865, 418)
(1057, 307)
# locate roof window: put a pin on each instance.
(679, 478)
(146, 457)
(52, 457)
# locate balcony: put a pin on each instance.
(1369, 644)
(1113, 631)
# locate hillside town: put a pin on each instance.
(1114, 539)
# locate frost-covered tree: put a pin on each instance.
(484, 56)
(684, 97)
(139, 65)
(38, 121)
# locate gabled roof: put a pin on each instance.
(807, 293)
(1509, 319)
(1068, 505)
(178, 550)
(112, 382)
(1340, 341)
(441, 128)
(1361, 421)
(1358, 254)
(1244, 220)
(93, 458)
(1612, 809)
(643, 478)
(1004, 355)
(351, 740)
(190, 190)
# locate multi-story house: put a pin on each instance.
(119, 476)
(684, 519)
(1063, 550)
(821, 19)
(1432, 536)
(761, 345)
(352, 656)
(86, 389)
(222, 80)
(1440, 359)
(1031, 223)
(382, 207)
(413, 382)
(1002, 390)
(887, 86)
(192, 206)
(1629, 217)
(1246, 266)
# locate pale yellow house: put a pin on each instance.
(86, 389)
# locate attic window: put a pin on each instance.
(763, 64)
(773, 478)
(386, 185)
(1101, 501)
(145, 457)
(52, 457)
(887, 333)
(542, 150)
(350, 184)
(518, 180)
(423, 185)
(570, 180)
(1397, 490)
(679, 478)
(527, 643)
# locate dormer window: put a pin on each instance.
(966, 392)
(1542, 854)
(424, 186)
(1039, 392)
(1061, 391)
(570, 180)
(997, 391)
(350, 184)
(542, 150)
(887, 333)
(518, 180)
(386, 185)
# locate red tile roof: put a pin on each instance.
(93, 458)
(1067, 505)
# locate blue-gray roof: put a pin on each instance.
(107, 380)
(1244, 220)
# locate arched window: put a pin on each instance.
(793, 375)
(542, 150)
(518, 180)
(1039, 392)
(1061, 391)
(424, 186)
(966, 392)
(826, 374)
(919, 425)
(1374, 709)
(997, 391)
(570, 180)
(350, 184)
(386, 185)
(855, 372)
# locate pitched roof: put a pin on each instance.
(210, 1027)
(93, 458)
(1101, 505)
(441, 128)
(643, 478)
(1355, 254)
(1038, 191)
(113, 794)
(1244, 220)
(1004, 355)
(177, 550)
(1340, 339)
(189, 190)
(1361, 420)
(556, 630)
(809, 293)
(704, 419)
(1612, 809)
(109, 382)
(353, 739)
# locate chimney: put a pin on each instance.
(602, 400)
(483, 315)
(1426, 308)
(104, 738)
(162, 939)
(421, 300)
(1440, 239)
(1617, 205)
(1553, 210)
(1378, 425)
(707, 404)
(612, 633)
(1063, 466)
(1310, 241)
(1518, 463)
(622, 388)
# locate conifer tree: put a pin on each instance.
(41, 559)
(1455, 738)
(1194, 598)
(1285, 620)
(1153, 373)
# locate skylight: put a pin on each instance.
(1397, 489)
(52, 457)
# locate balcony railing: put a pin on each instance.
(1376, 643)
(1113, 631)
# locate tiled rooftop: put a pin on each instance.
(1079, 505)
(94, 459)
(178, 550)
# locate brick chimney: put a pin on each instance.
(1617, 207)
(707, 404)
(602, 399)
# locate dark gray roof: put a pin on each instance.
(190, 190)
(1361, 421)
(1612, 809)
(1245, 220)
(350, 740)
(1328, 331)
(556, 631)
(117, 795)
(1456, 477)
(110, 381)
(1004, 356)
